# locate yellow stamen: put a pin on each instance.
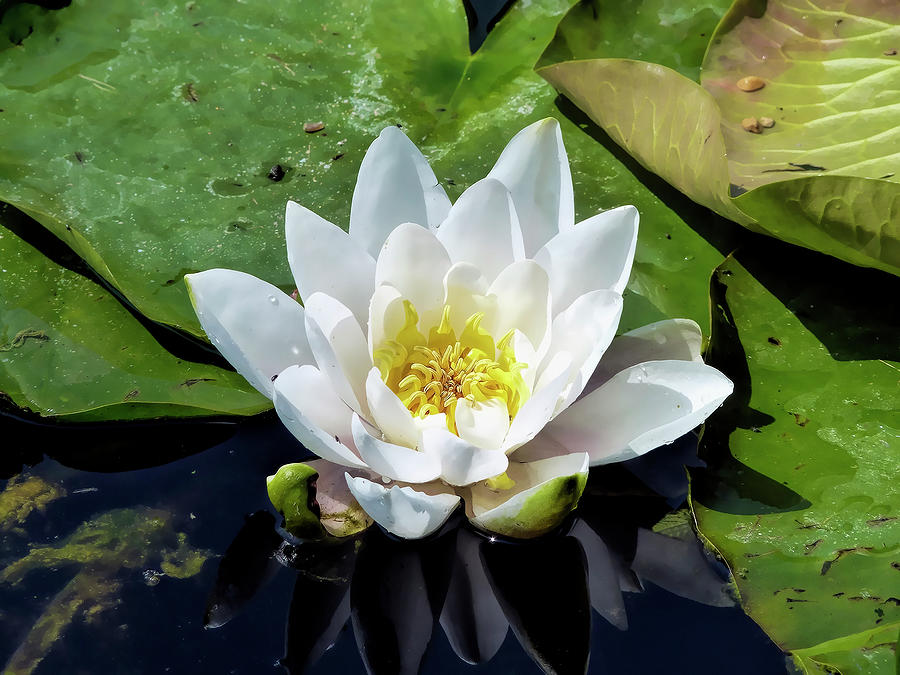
(431, 375)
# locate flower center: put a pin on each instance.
(431, 375)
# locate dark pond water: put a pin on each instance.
(109, 567)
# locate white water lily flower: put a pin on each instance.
(439, 346)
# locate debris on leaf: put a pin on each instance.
(766, 122)
(751, 83)
(313, 127)
(751, 124)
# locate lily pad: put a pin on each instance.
(811, 70)
(68, 347)
(800, 497)
(154, 128)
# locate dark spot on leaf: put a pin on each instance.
(188, 93)
(796, 600)
(875, 522)
(199, 23)
(800, 420)
(79, 157)
(775, 341)
(838, 594)
(134, 393)
(890, 52)
(668, 236)
(840, 554)
(797, 167)
(337, 156)
(276, 173)
(887, 175)
(194, 380)
(806, 526)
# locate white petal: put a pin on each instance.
(535, 169)
(403, 511)
(257, 327)
(462, 463)
(640, 409)
(324, 258)
(597, 253)
(482, 228)
(395, 185)
(312, 411)
(389, 413)
(465, 292)
(668, 340)
(483, 423)
(583, 331)
(394, 461)
(414, 262)
(386, 316)
(340, 348)
(523, 302)
(538, 409)
(545, 492)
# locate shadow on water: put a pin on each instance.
(565, 599)
(726, 484)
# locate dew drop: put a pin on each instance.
(273, 299)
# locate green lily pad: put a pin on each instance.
(672, 33)
(818, 68)
(154, 126)
(69, 348)
(800, 497)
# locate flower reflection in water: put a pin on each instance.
(476, 587)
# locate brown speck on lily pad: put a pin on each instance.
(751, 83)
(313, 127)
(276, 173)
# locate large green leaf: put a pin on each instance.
(801, 495)
(672, 33)
(153, 127)
(832, 85)
(818, 65)
(68, 347)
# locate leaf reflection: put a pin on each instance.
(475, 587)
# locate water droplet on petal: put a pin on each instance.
(273, 299)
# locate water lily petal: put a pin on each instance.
(482, 228)
(667, 340)
(538, 409)
(522, 290)
(386, 315)
(340, 348)
(389, 413)
(482, 423)
(313, 412)
(396, 462)
(465, 293)
(462, 463)
(414, 262)
(583, 331)
(324, 258)
(640, 409)
(402, 511)
(545, 492)
(256, 326)
(340, 513)
(597, 253)
(395, 185)
(535, 169)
